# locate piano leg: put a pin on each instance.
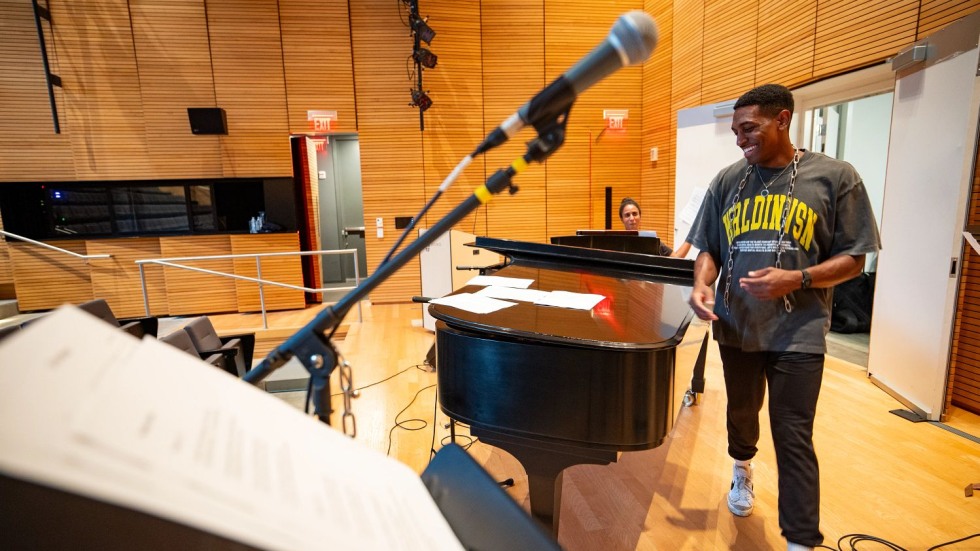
(544, 463)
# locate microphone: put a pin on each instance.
(630, 41)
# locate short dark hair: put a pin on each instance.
(771, 99)
(628, 201)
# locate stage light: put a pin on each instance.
(421, 100)
(425, 57)
(423, 31)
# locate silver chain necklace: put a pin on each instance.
(730, 265)
(765, 186)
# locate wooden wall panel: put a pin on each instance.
(936, 14)
(117, 279)
(285, 269)
(317, 61)
(249, 83)
(854, 34)
(172, 52)
(454, 125)
(391, 144)
(592, 158)
(46, 279)
(687, 64)
(28, 143)
(190, 292)
(507, 85)
(729, 58)
(657, 177)
(102, 88)
(785, 45)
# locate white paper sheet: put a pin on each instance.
(501, 281)
(473, 303)
(509, 293)
(89, 409)
(693, 205)
(577, 301)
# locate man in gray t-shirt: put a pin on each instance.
(777, 230)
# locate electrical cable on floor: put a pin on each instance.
(403, 424)
(854, 539)
(420, 367)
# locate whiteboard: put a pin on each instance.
(930, 153)
(705, 145)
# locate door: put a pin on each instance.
(341, 208)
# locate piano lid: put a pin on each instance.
(643, 308)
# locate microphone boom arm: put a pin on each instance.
(312, 347)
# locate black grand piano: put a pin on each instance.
(557, 387)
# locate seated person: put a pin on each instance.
(629, 213)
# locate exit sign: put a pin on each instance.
(321, 121)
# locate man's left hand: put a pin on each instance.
(770, 283)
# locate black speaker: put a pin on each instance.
(207, 120)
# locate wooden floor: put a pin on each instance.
(881, 475)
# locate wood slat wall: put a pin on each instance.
(190, 292)
(285, 269)
(729, 57)
(513, 71)
(28, 144)
(103, 107)
(249, 83)
(936, 14)
(46, 279)
(657, 177)
(392, 167)
(317, 62)
(174, 62)
(117, 279)
(853, 34)
(785, 47)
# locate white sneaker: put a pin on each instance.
(790, 546)
(741, 498)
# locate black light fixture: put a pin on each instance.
(421, 29)
(420, 99)
(425, 57)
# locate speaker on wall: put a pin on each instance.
(207, 120)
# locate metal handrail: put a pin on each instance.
(53, 248)
(169, 262)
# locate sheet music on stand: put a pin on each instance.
(90, 410)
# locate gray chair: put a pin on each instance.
(180, 339)
(237, 349)
(134, 326)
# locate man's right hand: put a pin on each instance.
(702, 301)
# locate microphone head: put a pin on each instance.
(637, 33)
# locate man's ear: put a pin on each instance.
(784, 117)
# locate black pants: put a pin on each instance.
(794, 384)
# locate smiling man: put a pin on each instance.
(777, 230)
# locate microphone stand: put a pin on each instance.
(315, 350)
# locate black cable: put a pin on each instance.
(388, 378)
(854, 539)
(971, 536)
(403, 424)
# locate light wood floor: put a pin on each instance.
(881, 475)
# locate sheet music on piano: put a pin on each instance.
(90, 410)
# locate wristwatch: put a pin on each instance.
(805, 284)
